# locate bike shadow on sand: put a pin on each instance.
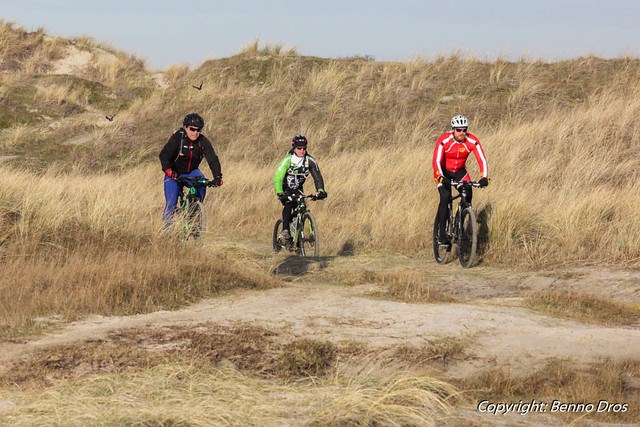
(295, 265)
(482, 218)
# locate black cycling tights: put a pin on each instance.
(287, 214)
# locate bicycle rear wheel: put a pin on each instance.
(468, 241)
(442, 254)
(195, 224)
(308, 238)
(277, 242)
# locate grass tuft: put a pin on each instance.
(584, 307)
(306, 357)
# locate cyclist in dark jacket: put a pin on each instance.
(290, 177)
(180, 158)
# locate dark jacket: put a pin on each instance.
(183, 155)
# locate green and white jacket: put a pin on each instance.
(293, 171)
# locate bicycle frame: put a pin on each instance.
(190, 196)
(462, 204)
(295, 228)
(190, 205)
(302, 228)
(461, 227)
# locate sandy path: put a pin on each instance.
(498, 332)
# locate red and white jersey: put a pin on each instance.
(451, 155)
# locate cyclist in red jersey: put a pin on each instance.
(449, 160)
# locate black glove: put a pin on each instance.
(321, 195)
(217, 181)
(444, 180)
(483, 182)
(283, 198)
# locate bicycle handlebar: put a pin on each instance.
(471, 183)
(196, 182)
(300, 197)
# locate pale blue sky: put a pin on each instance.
(166, 32)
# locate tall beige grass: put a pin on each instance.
(560, 140)
(564, 187)
(201, 395)
(29, 52)
(563, 190)
(81, 244)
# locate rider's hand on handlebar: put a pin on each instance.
(283, 198)
(217, 181)
(321, 195)
(484, 181)
(444, 180)
(171, 173)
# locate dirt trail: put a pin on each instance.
(498, 332)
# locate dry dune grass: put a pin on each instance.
(560, 198)
(574, 185)
(605, 380)
(238, 375)
(559, 155)
(546, 127)
(85, 220)
(28, 52)
(192, 394)
(584, 307)
(99, 241)
(563, 184)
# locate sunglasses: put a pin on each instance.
(300, 148)
(192, 129)
(460, 129)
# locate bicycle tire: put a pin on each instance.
(468, 239)
(195, 221)
(308, 238)
(277, 238)
(441, 254)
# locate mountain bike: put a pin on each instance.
(461, 228)
(190, 209)
(303, 230)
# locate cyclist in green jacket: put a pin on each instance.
(290, 177)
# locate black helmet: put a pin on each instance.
(193, 119)
(299, 141)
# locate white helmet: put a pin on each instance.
(459, 122)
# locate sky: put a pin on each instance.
(173, 32)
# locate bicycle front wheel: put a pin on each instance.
(277, 242)
(308, 238)
(195, 222)
(468, 240)
(442, 254)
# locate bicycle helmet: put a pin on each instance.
(459, 121)
(299, 141)
(193, 119)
